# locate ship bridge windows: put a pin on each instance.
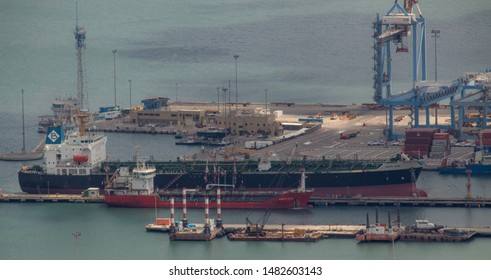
(82, 172)
(63, 171)
(72, 171)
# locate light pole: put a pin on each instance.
(435, 33)
(236, 88)
(266, 103)
(76, 235)
(218, 101)
(225, 107)
(114, 60)
(225, 99)
(129, 81)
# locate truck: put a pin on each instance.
(346, 136)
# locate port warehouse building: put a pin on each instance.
(156, 111)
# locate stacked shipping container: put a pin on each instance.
(440, 147)
(418, 141)
(484, 140)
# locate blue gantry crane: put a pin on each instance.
(394, 28)
(474, 95)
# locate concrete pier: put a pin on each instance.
(36, 153)
(50, 198)
(409, 201)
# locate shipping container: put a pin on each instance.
(419, 140)
(416, 146)
(441, 136)
(440, 142)
(437, 154)
(438, 148)
(421, 131)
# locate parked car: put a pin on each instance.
(395, 143)
(372, 143)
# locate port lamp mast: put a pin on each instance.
(77, 236)
(80, 46)
(129, 81)
(114, 64)
(236, 87)
(435, 33)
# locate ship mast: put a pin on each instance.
(80, 46)
(83, 118)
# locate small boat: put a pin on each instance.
(379, 232)
(425, 226)
(189, 141)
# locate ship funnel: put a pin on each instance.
(368, 222)
(376, 215)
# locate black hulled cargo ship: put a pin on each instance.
(79, 162)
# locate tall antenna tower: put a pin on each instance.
(79, 33)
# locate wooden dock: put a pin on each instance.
(403, 201)
(50, 198)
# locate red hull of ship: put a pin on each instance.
(283, 201)
(396, 190)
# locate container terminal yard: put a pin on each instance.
(369, 143)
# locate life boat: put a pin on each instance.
(80, 158)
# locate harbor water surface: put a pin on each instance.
(301, 51)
